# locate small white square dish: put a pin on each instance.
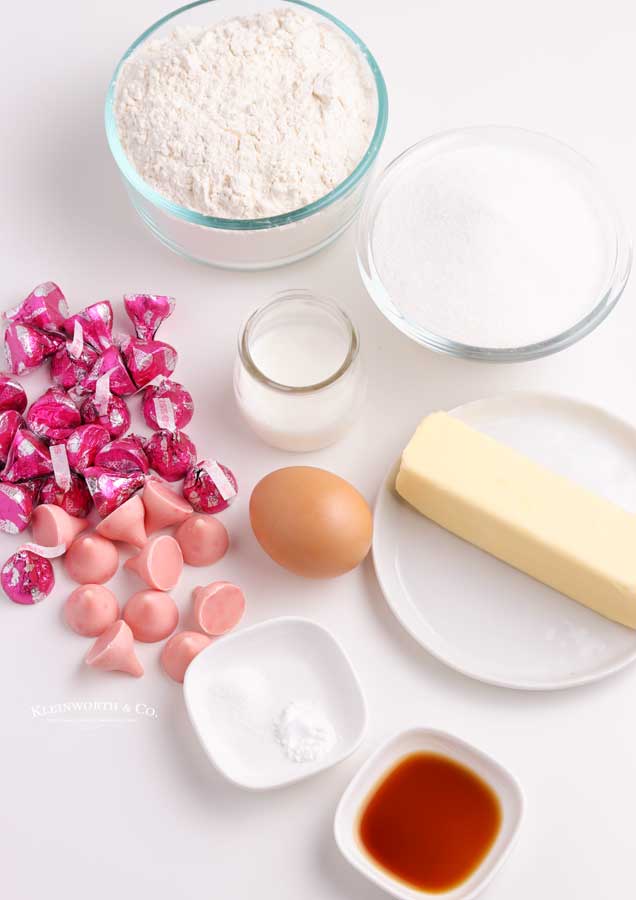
(241, 688)
(384, 761)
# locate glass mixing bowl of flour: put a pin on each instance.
(260, 240)
(492, 243)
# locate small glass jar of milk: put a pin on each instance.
(298, 377)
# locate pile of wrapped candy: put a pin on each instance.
(71, 448)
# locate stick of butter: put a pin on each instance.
(524, 514)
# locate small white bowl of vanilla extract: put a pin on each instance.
(429, 815)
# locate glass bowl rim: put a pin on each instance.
(133, 178)
(609, 296)
(307, 296)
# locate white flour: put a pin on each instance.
(247, 118)
(490, 246)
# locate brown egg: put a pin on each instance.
(311, 521)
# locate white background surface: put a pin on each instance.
(134, 808)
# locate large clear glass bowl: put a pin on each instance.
(246, 243)
(402, 175)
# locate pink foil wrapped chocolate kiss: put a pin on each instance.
(34, 487)
(109, 490)
(210, 487)
(176, 395)
(26, 348)
(83, 445)
(16, 507)
(12, 395)
(45, 308)
(147, 360)
(76, 501)
(97, 324)
(120, 381)
(116, 419)
(27, 578)
(147, 312)
(10, 421)
(123, 456)
(28, 458)
(53, 416)
(171, 454)
(68, 371)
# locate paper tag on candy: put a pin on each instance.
(40, 550)
(77, 344)
(61, 469)
(102, 394)
(220, 479)
(164, 412)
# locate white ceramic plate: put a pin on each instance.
(383, 760)
(477, 614)
(298, 660)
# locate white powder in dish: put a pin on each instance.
(254, 723)
(250, 117)
(491, 246)
(304, 732)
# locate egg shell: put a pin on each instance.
(151, 615)
(203, 540)
(76, 501)
(91, 559)
(311, 522)
(90, 609)
(179, 652)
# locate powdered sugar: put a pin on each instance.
(251, 117)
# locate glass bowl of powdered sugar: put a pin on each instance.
(493, 243)
(246, 130)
